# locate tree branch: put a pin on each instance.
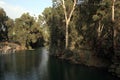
(69, 17)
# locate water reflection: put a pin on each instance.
(64, 71)
(43, 65)
(37, 65)
(26, 65)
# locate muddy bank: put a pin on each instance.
(8, 47)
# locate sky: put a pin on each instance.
(15, 8)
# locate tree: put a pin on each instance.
(68, 15)
(3, 27)
(113, 10)
(27, 32)
(113, 23)
(10, 25)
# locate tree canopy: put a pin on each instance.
(3, 27)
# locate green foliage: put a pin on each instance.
(3, 27)
(26, 30)
(90, 27)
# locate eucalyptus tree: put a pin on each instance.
(3, 27)
(68, 11)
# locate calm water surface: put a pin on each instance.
(37, 65)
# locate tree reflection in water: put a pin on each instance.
(37, 65)
(43, 65)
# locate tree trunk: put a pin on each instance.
(66, 36)
(113, 25)
(67, 19)
(113, 1)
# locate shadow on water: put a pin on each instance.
(64, 71)
(37, 65)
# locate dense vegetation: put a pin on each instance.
(91, 26)
(26, 30)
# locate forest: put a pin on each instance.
(69, 28)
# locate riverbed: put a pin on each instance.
(38, 65)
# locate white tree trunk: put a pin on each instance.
(67, 19)
(113, 1)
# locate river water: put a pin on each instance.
(38, 65)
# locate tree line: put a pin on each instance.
(89, 24)
(70, 27)
(29, 31)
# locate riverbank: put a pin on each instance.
(112, 69)
(8, 47)
(87, 58)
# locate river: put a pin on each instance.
(38, 65)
